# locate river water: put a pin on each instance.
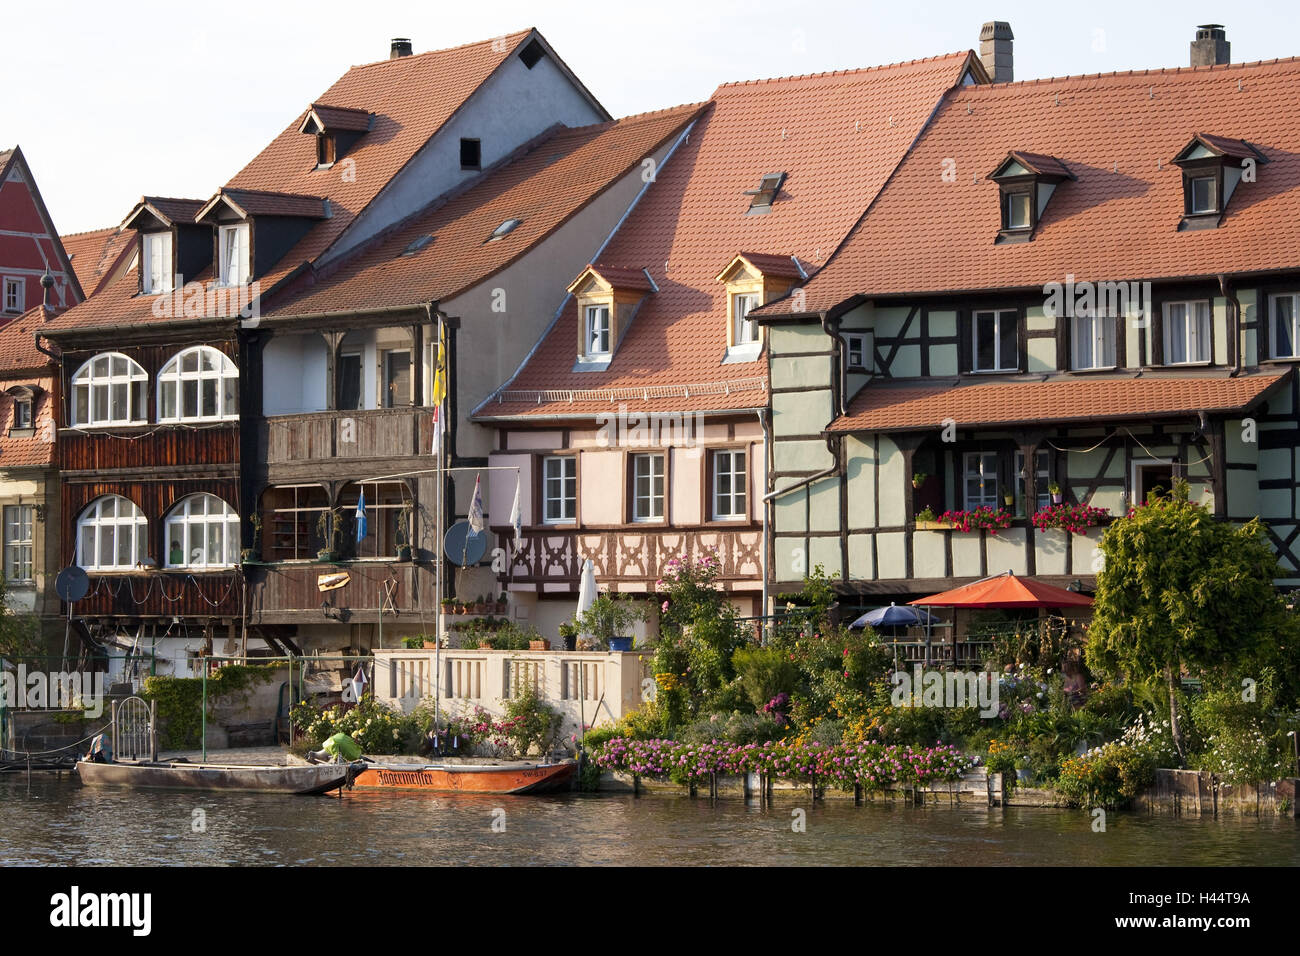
(56, 821)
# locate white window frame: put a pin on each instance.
(733, 503)
(1214, 194)
(29, 403)
(132, 525)
(556, 488)
(233, 273)
(156, 263)
(1000, 320)
(855, 342)
(1014, 199)
(15, 289)
(594, 330)
(88, 379)
(174, 378)
(744, 331)
(651, 505)
(18, 544)
(1294, 300)
(1092, 342)
(203, 515)
(1199, 327)
(986, 473)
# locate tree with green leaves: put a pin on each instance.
(1181, 592)
(20, 634)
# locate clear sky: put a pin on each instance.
(112, 101)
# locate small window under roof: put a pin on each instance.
(504, 229)
(766, 193)
(416, 245)
(531, 54)
(470, 153)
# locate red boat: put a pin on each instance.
(468, 778)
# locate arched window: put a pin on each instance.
(198, 384)
(109, 390)
(112, 535)
(202, 532)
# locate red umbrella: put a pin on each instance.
(1006, 591)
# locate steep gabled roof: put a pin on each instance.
(97, 256)
(13, 159)
(837, 136)
(543, 188)
(1118, 221)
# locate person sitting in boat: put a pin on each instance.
(101, 750)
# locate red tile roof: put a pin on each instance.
(38, 449)
(543, 188)
(412, 98)
(172, 210)
(634, 280)
(1117, 222)
(260, 202)
(96, 255)
(341, 118)
(911, 406)
(837, 135)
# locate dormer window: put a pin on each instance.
(598, 330)
(156, 268)
(1213, 167)
(1026, 182)
(763, 197)
(751, 279)
(608, 299)
(233, 254)
(336, 128)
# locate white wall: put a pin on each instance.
(294, 374)
(514, 105)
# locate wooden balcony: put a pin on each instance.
(163, 594)
(290, 593)
(210, 445)
(555, 557)
(291, 443)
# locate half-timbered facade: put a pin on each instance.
(636, 429)
(1073, 291)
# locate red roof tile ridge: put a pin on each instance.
(794, 78)
(985, 88)
(102, 231)
(512, 40)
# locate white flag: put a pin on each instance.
(437, 429)
(517, 518)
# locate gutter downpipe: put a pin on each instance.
(767, 438)
(1236, 324)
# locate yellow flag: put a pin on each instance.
(440, 369)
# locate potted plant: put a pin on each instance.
(539, 644)
(610, 618)
(927, 520)
(250, 554)
(328, 528)
(501, 603)
(448, 605)
(1054, 490)
(569, 635)
(918, 479)
(404, 535)
(1009, 499)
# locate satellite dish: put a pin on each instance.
(462, 547)
(71, 584)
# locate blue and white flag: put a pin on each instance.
(476, 508)
(517, 517)
(361, 516)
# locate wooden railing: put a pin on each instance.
(290, 593)
(370, 433)
(556, 556)
(163, 594)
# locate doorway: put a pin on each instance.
(1152, 476)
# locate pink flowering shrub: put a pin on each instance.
(985, 518)
(1075, 518)
(869, 765)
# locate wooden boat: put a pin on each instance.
(505, 778)
(304, 779)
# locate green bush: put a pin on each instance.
(764, 672)
(534, 724)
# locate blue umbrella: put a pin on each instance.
(895, 616)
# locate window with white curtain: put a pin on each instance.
(233, 254)
(981, 479)
(109, 390)
(598, 330)
(156, 274)
(1187, 332)
(1093, 341)
(112, 535)
(729, 481)
(202, 532)
(743, 329)
(1286, 325)
(198, 384)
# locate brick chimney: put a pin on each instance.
(401, 47)
(1211, 47)
(995, 50)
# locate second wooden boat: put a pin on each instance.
(468, 778)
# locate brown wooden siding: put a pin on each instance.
(164, 594)
(167, 446)
(288, 593)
